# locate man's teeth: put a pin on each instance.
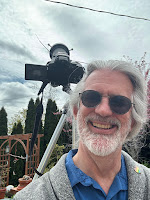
(102, 126)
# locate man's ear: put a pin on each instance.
(75, 111)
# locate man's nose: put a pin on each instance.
(103, 108)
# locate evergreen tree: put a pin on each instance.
(50, 124)
(14, 128)
(17, 166)
(37, 101)
(3, 123)
(30, 117)
(40, 131)
(17, 128)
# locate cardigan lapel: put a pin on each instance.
(60, 181)
(136, 179)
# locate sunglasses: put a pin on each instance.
(118, 104)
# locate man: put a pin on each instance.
(109, 107)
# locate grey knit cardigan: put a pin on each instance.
(55, 184)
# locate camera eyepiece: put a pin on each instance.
(58, 48)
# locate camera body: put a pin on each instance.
(59, 71)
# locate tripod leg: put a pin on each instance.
(51, 145)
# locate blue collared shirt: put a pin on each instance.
(86, 188)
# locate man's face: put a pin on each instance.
(100, 129)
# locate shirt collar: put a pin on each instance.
(77, 176)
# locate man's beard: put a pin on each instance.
(102, 144)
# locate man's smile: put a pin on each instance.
(102, 126)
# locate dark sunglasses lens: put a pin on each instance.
(120, 104)
(90, 98)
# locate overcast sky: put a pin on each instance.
(92, 35)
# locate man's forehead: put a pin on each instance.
(108, 77)
(106, 73)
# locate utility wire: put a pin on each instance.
(100, 11)
(42, 43)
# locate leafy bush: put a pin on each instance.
(57, 153)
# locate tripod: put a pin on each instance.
(59, 71)
(52, 143)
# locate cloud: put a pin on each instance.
(89, 37)
(11, 70)
(13, 48)
(14, 93)
(15, 96)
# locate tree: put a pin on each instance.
(144, 152)
(40, 131)
(30, 117)
(19, 117)
(3, 123)
(17, 166)
(144, 156)
(17, 128)
(14, 128)
(37, 101)
(51, 121)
